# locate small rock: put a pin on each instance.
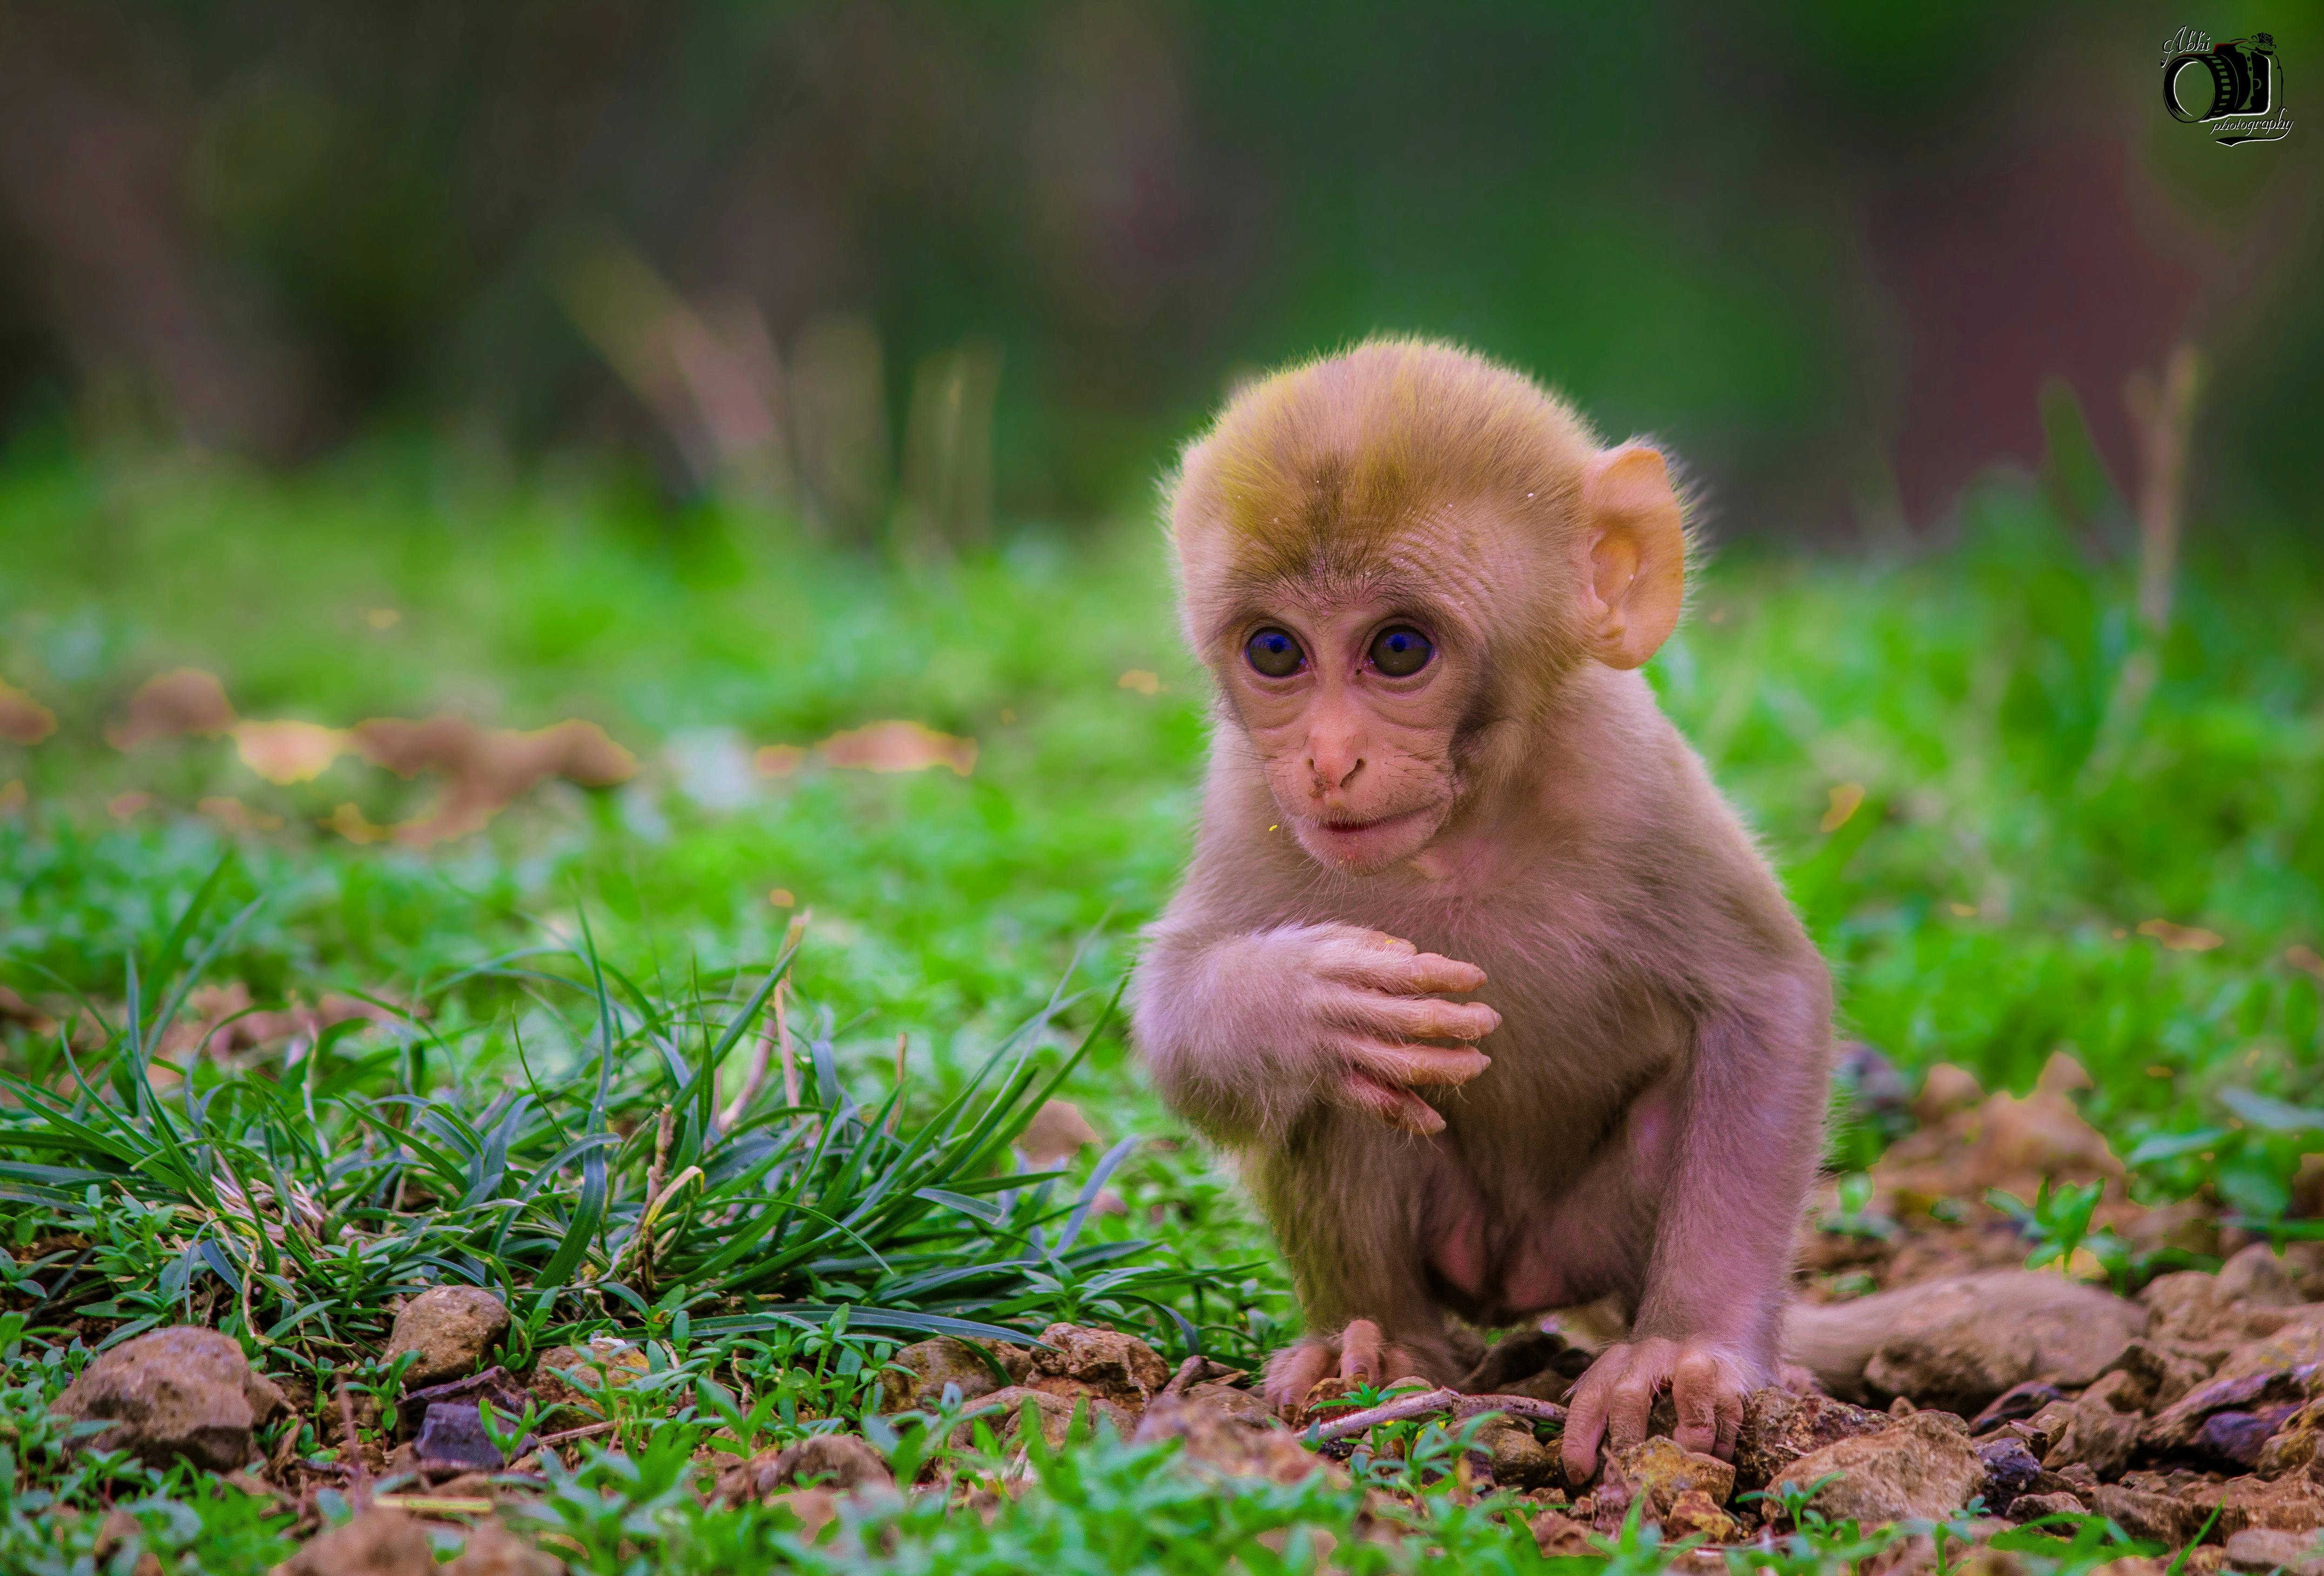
(2017, 1404)
(376, 1542)
(2295, 1443)
(2132, 1565)
(1944, 1090)
(2097, 1433)
(2262, 1549)
(1002, 1412)
(2028, 1508)
(2192, 1311)
(623, 1361)
(1957, 1344)
(1242, 1405)
(928, 1365)
(1231, 1440)
(494, 1384)
(816, 1509)
(2010, 1470)
(180, 1392)
(2163, 1374)
(1780, 1427)
(451, 1327)
(1919, 1466)
(2176, 1426)
(1693, 1513)
(2297, 1342)
(1562, 1536)
(2285, 1504)
(1661, 1471)
(2259, 1279)
(491, 1550)
(2154, 1518)
(1075, 1361)
(452, 1437)
(839, 1461)
(2236, 1439)
(1519, 1460)
(1056, 1134)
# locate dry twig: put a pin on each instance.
(1430, 1401)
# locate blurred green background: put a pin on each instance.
(1835, 254)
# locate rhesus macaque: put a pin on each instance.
(1474, 971)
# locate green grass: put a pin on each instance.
(563, 978)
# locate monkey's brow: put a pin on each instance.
(1256, 592)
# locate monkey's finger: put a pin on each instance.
(1422, 1066)
(1401, 969)
(1360, 1352)
(1424, 1018)
(1293, 1372)
(1399, 1108)
(1631, 1406)
(1433, 972)
(1585, 1417)
(1698, 1392)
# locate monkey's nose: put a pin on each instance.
(1333, 772)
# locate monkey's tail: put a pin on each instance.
(1836, 1342)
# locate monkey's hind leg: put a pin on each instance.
(1349, 1213)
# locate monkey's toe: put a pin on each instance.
(1361, 1354)
(1615, 1398)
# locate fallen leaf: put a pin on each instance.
(2305, 959)
(486, 768)
(1846, 799)
(899, 747)
(2180, 937)
(183, 703)
(382, 618)
(236, 816)
(777, 760)
(123, 807)
(1056, 1134)
(782, 897)
(1143, 682)
(350, 822)
(22, 719)
(289, 751)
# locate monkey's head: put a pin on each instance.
(1389, 557)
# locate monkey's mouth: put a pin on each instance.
(1367, 844)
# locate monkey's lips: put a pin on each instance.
(1364, 846)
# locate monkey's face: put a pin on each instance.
(1351, 706)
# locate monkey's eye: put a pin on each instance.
(1400, 650)
(1275, 653)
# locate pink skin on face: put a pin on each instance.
(1356, 758)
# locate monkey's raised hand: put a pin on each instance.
(1616, 1397)
(1364, 1001)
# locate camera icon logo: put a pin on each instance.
(2234, 90)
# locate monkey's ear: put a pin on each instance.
(1632, 548)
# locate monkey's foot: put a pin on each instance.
(1359, 1354)
(1614, 1399)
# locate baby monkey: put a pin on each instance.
(1424, 590)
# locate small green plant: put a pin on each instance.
(1855, 1216)
(2058, 1222)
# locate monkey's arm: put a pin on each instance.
(1709, 1318)
(1245, 1031)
